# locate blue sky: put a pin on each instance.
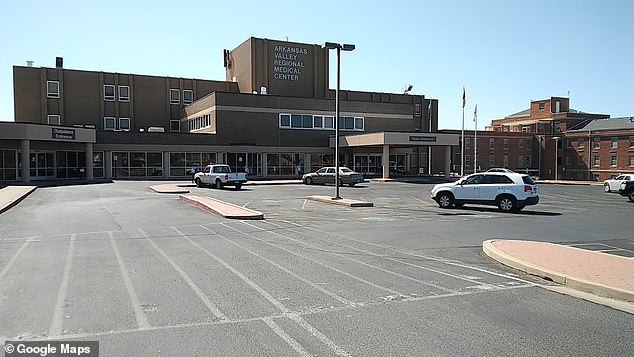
(505, 53)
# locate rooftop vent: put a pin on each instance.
(29, 63)
(59, 62)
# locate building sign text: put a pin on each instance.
(63, 134)
(288, 62)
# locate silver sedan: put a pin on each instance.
(326, 175)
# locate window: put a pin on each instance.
(124, 124)
(581, 142)
(307, 121)
(53, 119)
(526, 129)
(318, 121)
(175, 96)
(596, 160)
(359, 123)
(329, 122)
(467, 160)
(521, 143)
(520, 161)
(614, 142)
(557, 126)
(285, 120)
(52, 89)
(632, 141)
(596, 143)
(109, 123)
(632, 160)
(527, 161)
(542, 106)
(108, 92)
(467, 143)
(491, 160)
(124, 93)
(492, 143)
(175, 126)
(505, 161)
(506, 144)
(188, 96)
(296, 121)
(613, 160)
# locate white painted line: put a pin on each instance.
(141, 319)
(204, 298)
(246, 204)
(315, 286)
(15, 257)
(447, 290)
(392, 291)
(304, 204)
(272, 300)
(320, 336)
(253, 319)
(235, 271)
(58, 314)
(286, 337)
(444, 261)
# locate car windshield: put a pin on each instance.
(345, 169)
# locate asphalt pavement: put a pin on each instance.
(598, 273)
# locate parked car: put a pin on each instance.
(219, 176)
(327, 175)
(627, 189)
(615, 183)
(509, 191)
(499, 169)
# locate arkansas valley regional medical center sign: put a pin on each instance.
(290, 62)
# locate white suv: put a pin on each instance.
(509, 191)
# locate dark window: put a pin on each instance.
(307, 121)
(528, 180)
(497, 179)
(296, 121)
(285, 120)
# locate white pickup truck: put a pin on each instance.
(219, 176)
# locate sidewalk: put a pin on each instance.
(12, 195)
(594, 272)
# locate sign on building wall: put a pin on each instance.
(289, 62)
(63, 134)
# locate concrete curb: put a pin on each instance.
(169, 188)
(16, 194)
(558, 277)
(224, 209)
(342, 202)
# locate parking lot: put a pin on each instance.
(146, 274)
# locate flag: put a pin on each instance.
(464, 97)
(475, 114)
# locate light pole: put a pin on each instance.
(338, 47)
(556, 138)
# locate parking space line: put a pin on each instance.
(15, 257)
(312, 284)
(278, 330)
(58, 320)
(141, 319)
(392, 291)
(429, 258)
(203, 297)
(447, 290)
(285, 336)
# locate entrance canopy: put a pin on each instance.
(397, 139)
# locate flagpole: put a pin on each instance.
(475, 140)
(464, 101)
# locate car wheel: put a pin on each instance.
(198, 182)
(606, 187)
(309, 181)
(630, 196)
(238, 186)
(351, 184)
(507, 204)
(445, 200)
(219, 184)
(458, 204)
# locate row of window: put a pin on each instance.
(110, 93)
(199, 122)
(522, 161)
(596, 142)
(522, 143)
(112, 123)
(327, 122)
(175, 96)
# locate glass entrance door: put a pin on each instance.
(41, 165)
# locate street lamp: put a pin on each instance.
(338, 47)
(556, 138)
